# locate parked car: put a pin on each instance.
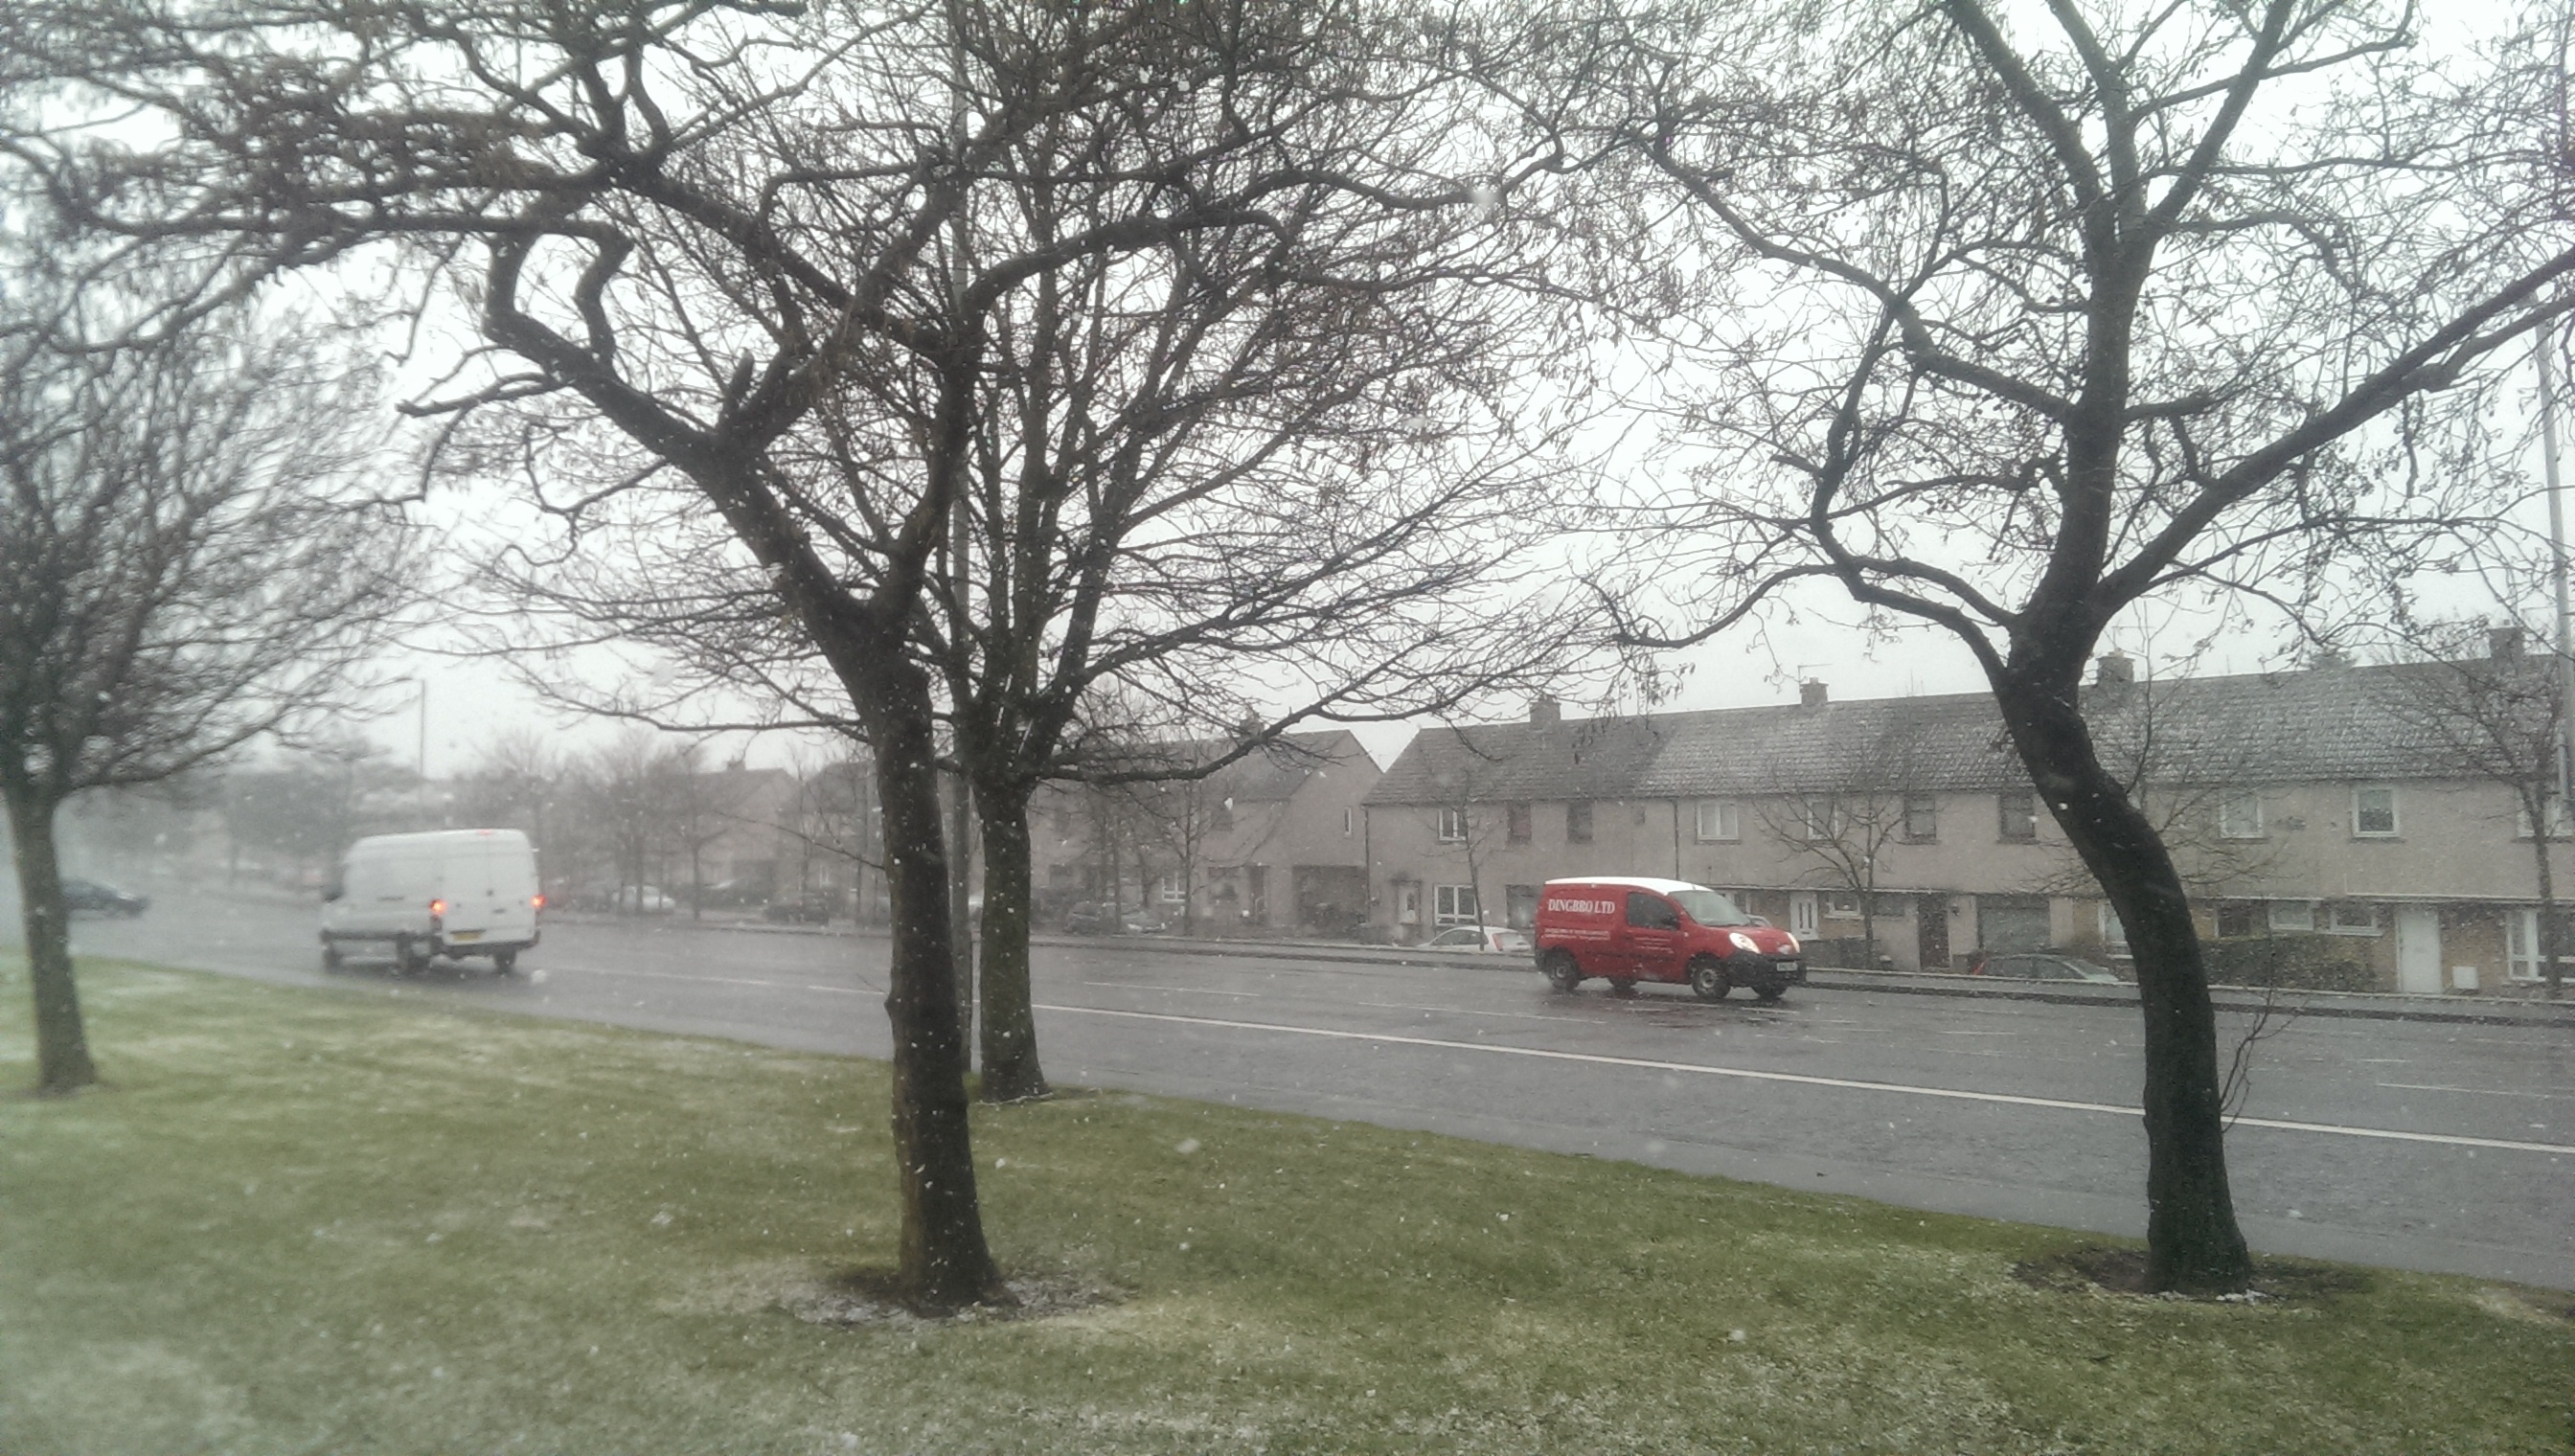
(1630, 929)
(2041, 965)
(645, 899)
(1093, 918)
(1481, 938)
(102, 899)
(815, 912)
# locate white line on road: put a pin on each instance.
(559, 968)
(1802, 1080)
(1128, 986)
(2480, 1092)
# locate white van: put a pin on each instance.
(450, 892)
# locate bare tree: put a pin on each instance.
(722, 231)
(2019, 318)
(2494, 712)
(185, 566)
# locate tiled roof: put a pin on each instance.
(2332, 723)
(1268, 774)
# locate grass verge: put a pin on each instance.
(317, 1221)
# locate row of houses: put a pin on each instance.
(2334, 801)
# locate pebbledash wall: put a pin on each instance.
(2314, 801)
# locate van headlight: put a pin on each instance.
(1742, 941)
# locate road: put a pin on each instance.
(2425, 1145)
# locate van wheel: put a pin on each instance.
(1707, 978)
(504, 961)
(1562, 972)
(407, 958)
(1620, 985)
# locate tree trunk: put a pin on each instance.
(1010, 1043)
(945, 1262)
(961, 903)
(62, 1045)
(2193, 1241)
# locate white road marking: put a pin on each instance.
(719, 981)
(1848, 1083)
(1472, 1012)
(1128, 986)
(2480, 1092)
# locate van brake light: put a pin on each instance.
(438, 907)
(536, 902)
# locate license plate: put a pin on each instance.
(466, 936)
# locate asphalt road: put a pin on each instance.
(2424, 1146)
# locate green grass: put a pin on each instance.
(328, 1223)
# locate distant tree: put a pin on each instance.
(1843, 826)
(187, 563)
(2495, 710)
(308, 806)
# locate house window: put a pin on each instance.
(1452, 904)
(2017, 813)
(1176, 890)
(2293, 914)
(2234, 918)
(1517, 817)
(2114, 932)
(2351, 918)
(2239, 815)
(1922, 818)
(1577, 822)
(1820, 816)
(1452, 826)
(2522, 960)
(1718, 819)
(1841, 905)
(2561, 825)
(1519, 906)
(2373, 813)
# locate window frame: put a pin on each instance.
(1174, 889)
(2016, 807)
(1922, 818)
(2272, 919)
(1450, 825)
(1729, 820)
(1831, 826)
(2395, 820)
(2230, 823)
(2330, 920)
(1577, 820)
(1452, 904)
(1518, 822)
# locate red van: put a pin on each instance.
(1628, 930)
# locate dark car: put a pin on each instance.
(1091, 917)
(2041, 965)
(813, 911)
(102, 899)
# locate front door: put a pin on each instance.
(1801, 914)
(1931, 931)
(2418, 950)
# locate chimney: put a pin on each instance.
(1810, 694)
(2114, 669)
(1545, 712)
(2503, 644)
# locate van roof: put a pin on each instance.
(1627, 881)
(430, 838)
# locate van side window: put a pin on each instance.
(1651, 911)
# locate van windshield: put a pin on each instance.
(1709, 907)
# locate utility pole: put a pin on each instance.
(2544, 344)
